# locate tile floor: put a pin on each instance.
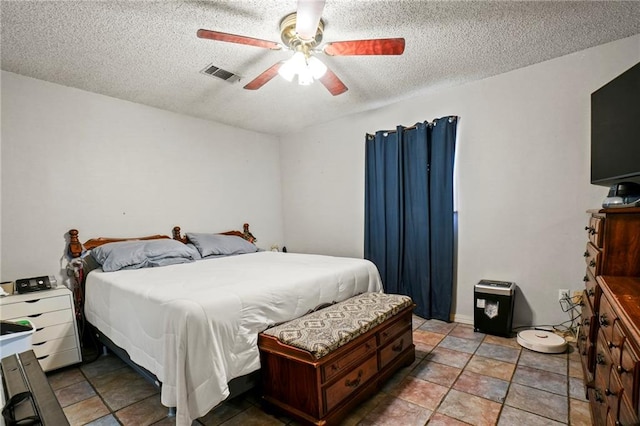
(459, 377)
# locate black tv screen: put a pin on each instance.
(615, 130)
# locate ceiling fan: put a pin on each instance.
(301, 32)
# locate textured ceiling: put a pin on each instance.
(148, 52)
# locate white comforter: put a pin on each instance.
(195, 325)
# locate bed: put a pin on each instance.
(194, 324)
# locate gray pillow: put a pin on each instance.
(218, 244)
(142, 254)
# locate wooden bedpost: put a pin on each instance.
(75, 247)
(247, 234)
(177, 236)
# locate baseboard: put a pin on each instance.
(463, 319)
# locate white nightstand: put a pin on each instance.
(55, 341)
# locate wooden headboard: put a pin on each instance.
(245, 233)
(76, 247)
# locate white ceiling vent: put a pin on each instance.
(225, 75)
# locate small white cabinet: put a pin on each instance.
(55, 341)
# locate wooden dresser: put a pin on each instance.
(609, 337)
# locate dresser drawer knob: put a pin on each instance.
(592, 263)
(585, 279)
(620, 369)
(354, 383)
(612, 345)
(585, 322)
(398, 347)
(591, 292)
(608, 392)
(598, 396)
(603, 320)
(600, 359)
(586, 254)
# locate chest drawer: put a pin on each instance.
(342, 388)
(54, 345)
(627, 415)
(394, 329)
(53, 332)
(603, 363)
(34, 306)
(395, 348)
(338, 366)
(592, 258)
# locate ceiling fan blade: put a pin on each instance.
(308, 17)
(331, 81)
(378, 46)
(233, 38)
(264, 78)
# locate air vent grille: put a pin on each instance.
(218, 72)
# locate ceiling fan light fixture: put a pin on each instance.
(306, 67)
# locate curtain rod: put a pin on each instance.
(451, 119)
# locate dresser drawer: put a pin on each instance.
(592, 259)
(53, 332)
(628, 371)
(592, 290)
(595, 230)
(54, 345)
(339, 365)
(606, 318)
(614, 393)
(394, 329)
(395, 348)
(60, 359)
(34, 306)
(626, 414)
(603, 363)
(588, 320)
(340, 390)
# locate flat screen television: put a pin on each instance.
(615, 130)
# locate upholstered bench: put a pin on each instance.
(319, 366)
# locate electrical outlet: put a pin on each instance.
(563, 294)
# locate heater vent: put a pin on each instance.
(217, 72)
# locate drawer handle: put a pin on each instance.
(585, 279)
(586, 254)
(590, 292)
(598, 396)
(603, 320)
(600, 359)
(592, 263)
(334, 367)
(354, 383)
(583, 338)
(385, 334)
(585, 322)
(612, 345)
(398, 347)
(367, 346)
(620, 369)
(608, 392)
(34, 315)
(32, 301)
(38, 344)
(43, 357)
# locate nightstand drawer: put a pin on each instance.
(54, 346)
(53, 332)
(35, 305)
(60, 359)
(47, 319)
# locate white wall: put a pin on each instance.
(74, 159)
(523, 177)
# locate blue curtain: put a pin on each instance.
(409, 212)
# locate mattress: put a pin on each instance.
(195, 325)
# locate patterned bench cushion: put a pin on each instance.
(327, 329)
